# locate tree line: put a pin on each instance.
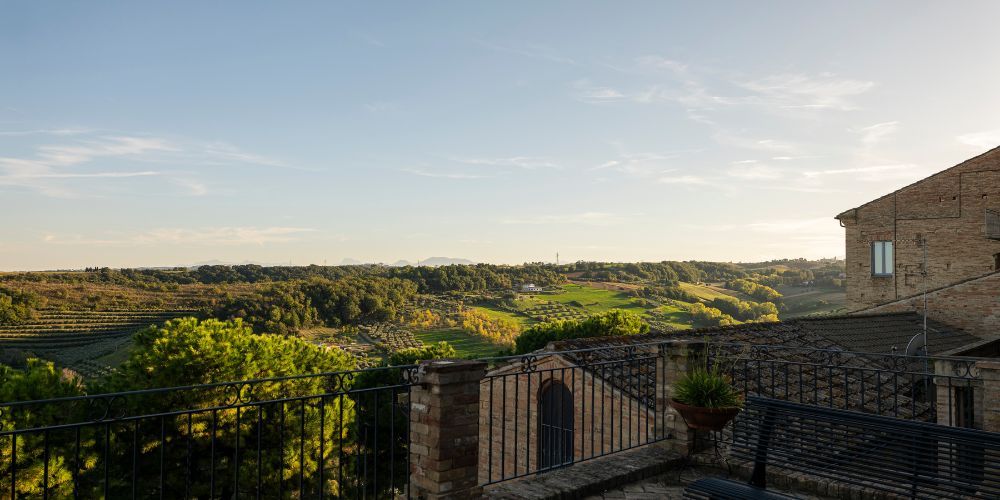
(285, 308)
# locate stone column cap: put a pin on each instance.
(450, 371)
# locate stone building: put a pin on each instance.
(940, 235)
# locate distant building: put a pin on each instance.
(530, 287)
(951, 219)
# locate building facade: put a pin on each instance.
(940, 235)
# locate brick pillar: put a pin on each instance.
(444, 430)
(989, 371)
(946, 388)
(676, 359)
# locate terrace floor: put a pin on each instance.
(670, 485)
(653, 471)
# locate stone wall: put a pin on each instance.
(948, 211)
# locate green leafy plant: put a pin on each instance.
(707, 389)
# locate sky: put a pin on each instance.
(171, 133)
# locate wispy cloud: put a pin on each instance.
(857, 170)
(586, 91)
(223, 153)
(63, 155)
(525, 162)
(530, 50)
(727, 138)
(584, 218)
(92, 154)
(751, 169)
(901, 171)
(380, 107)
(443, 175)
(660, 63)
(642, 164)
(209, 236)
(987, 139)
(56, 131)
(683, 179)
(801, 227)
(874, 134)
(797, 90)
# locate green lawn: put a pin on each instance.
(467, 346)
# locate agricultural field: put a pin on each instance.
(113, 297)
(811, 301)
(467, 346)
(521, 319)
(590, 298)
(577, 301)
(672, 315)
(389, 336)
(708, 292)
(87, 342)
(553, 311)
(349, 340)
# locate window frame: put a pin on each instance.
(882, 249)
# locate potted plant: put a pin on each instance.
(706, 399)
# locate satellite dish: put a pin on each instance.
(916, 345)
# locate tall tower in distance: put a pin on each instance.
(557, 258)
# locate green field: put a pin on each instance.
(521, 320)
(467, 346)
(709, 292)
(802, 301)
(594, 300)
(673, 315)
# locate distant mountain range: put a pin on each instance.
(431, 262)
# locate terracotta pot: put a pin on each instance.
(709, 419)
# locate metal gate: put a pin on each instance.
(555, 440)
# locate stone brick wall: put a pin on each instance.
(444, 430)
(948, 211)
(973, 306)
(604, 418)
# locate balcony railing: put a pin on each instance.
(332, 434)
(348, 434)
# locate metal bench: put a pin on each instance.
(903, 458)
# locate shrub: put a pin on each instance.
(709, 316)
(611, 323)
(706, 389)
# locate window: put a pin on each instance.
(882, 263)
(964, 408)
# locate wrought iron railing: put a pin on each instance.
(347, 433)
(547, 410)
(924, 388)
(331, 434)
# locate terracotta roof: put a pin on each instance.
(879, 333)
(872, 333)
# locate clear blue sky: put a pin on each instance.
(142, 133)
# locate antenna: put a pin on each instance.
(923, 243)
(557, 258)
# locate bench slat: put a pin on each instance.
(717, 488)
(898, 456)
